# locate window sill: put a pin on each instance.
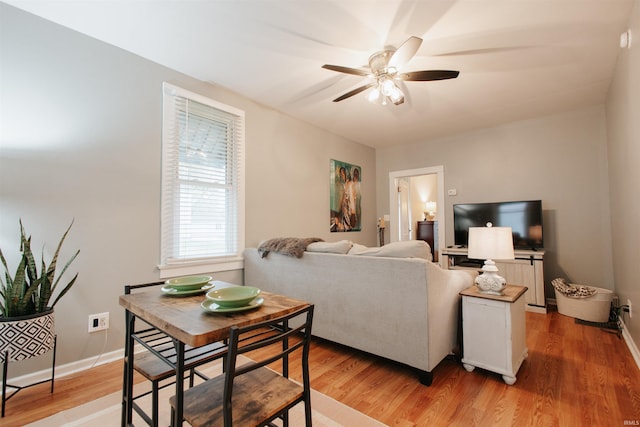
(201, 267)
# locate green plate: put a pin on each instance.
(174, 292)
(210, 306)
(188, 282)
(234, 296)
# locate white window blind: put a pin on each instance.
(202, 181)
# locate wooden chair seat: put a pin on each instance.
(255, 395)
(252, 394)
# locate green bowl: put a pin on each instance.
(235, 296)
(188, 283)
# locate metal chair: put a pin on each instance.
(253, 394)
(157, 362)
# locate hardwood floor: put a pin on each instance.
(574, 375)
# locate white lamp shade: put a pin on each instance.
(490, 243)
(430, 206)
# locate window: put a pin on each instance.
(202, 214)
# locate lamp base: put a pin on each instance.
(489, 282)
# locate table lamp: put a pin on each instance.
(490, 243)
(430, 211)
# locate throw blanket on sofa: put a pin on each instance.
(571, 290)
(290, 246)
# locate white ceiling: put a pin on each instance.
(517, 58)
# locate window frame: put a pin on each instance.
(212, 264)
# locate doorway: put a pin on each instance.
(405, 216)
(403, 197)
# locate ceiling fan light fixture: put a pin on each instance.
(390, 90)
(374, 95)
(388, 87)
(396, 96)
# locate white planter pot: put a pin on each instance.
(26, 337)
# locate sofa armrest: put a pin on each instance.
(444, 309)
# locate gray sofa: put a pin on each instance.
(403, 309)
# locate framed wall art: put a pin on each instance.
(345, 211)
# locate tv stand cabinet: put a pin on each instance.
(526, 270)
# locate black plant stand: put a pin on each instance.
(22, 338)
(17, 388)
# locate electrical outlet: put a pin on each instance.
(98, 322)
(630, 312)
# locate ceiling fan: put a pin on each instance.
(384, 74)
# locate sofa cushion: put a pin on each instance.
(341, 247)
(404, 249)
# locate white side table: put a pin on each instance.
(494, 331)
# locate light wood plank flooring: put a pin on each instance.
(574, 375)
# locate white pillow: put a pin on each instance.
(341, 247)
(404, 249)
(357, 249)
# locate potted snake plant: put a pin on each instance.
(27, 327)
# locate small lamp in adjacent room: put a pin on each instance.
(490, 243)
(430, 211)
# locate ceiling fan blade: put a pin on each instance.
(405, 52)
(347, 70)
(354, 92)
(428, 75)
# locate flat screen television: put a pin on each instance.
(524, 218)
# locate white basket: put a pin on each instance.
(595, 308)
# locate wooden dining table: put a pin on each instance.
(185, 320)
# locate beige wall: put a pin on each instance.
(623, 129)
(288, 164)
(559, 159)
(81, 134)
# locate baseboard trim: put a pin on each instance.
(630, 343)
(66, 370)
(536, 309)
(63, 371)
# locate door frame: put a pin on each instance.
(403, 205)
(393, 200)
